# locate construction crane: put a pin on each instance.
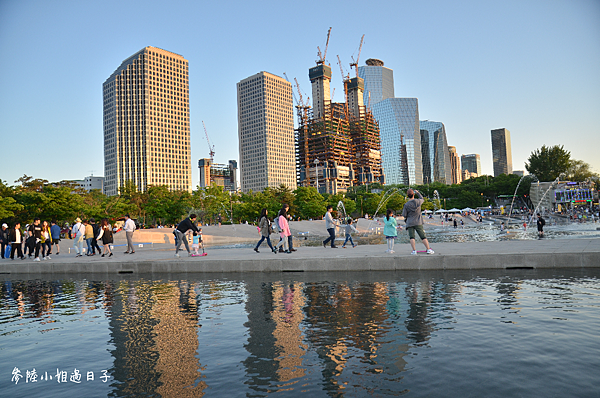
(211, 149)
(324, 54)
(345, 82)
(355, 63)
(288, 80)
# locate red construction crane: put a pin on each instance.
(211, 149)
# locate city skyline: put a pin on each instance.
(541, 90)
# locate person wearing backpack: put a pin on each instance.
(285, 234)
(78, 232)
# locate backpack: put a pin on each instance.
(276, 223)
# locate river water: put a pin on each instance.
(481, 333)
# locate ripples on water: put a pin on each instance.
(482, 333)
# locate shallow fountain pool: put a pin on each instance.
(475, 333)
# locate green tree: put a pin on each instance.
(8, 204)
(309, 203)
(580, 171)
(283, 195)
(548, 163)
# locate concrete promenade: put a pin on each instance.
(159, 258)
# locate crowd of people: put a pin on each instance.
(40, 239)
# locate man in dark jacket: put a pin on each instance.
(3, 238)
(15, 237)
(96, 229)
(180, 231)
(414, 221)
(540, 225)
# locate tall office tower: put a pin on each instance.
(501, 153)
(147, 122)
(434, 153)
(379, 81)
(472, 163)
(266, 132)
(400, 140)
(455, 165)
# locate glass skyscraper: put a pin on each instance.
(379, 81)
(400, 140)
(434, 153)
(501, 152)
(471, 162)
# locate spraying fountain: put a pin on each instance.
(514, 195)
(341, 212)
(552, 185)
(384, 199)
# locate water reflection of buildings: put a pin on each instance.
(275, 341)
(288, 316)
(154, 331)
(359, 335)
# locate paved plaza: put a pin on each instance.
(155, 254)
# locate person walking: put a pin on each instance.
(96, 232)
(55, 235)
(330, 225)
(78, 233)
(15, 237)
(348, 229)
(4, 238)
(46, 241)
(265, 231)
(29, 244)
(284, 227)
(129, 227)
(35, 233)
(390, 230)
(89, 236)
(180, 231)
(414, 221)
(540, 225)
(106, 236)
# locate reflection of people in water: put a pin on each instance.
(288, 302)
(418, 323)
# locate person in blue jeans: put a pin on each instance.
(330, 225)
(348, 229)
(55, 233)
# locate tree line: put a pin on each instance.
(64, 201)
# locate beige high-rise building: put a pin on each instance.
(455, 165)
(147, 122)
(266, 132)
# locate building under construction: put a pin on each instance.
(223, 175)
(338, 144)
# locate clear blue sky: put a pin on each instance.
(532, 67)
